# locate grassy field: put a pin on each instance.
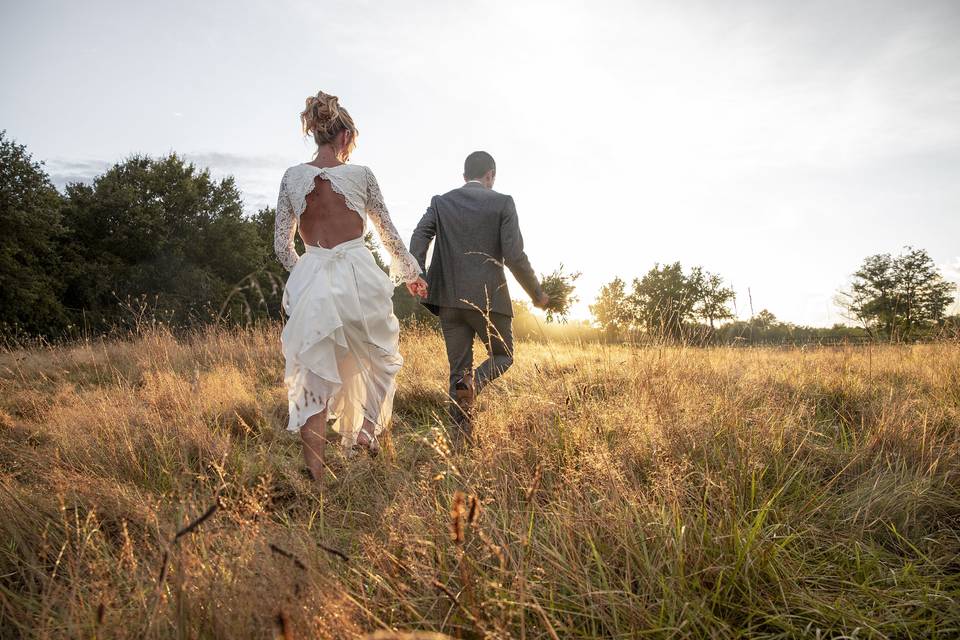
(614, 493)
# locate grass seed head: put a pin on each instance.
(457, 517)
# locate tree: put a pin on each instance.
(922, 294)
(871, 296)
(264, 223)
(665, 303)
(525, 324)
(30, 224)
(612, 308)
(897, 296)
(664, 299)
(159, 230)
(260, 293)
(712, 298)
(764, 320)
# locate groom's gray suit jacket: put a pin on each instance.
(476, 234)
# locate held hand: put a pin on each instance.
(542, 301)
(417, 288)
(422, 287)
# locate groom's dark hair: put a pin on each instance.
(477, 164)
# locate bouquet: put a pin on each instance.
(558, 286)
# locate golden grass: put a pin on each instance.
(614, 493)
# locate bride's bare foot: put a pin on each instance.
(313, 435)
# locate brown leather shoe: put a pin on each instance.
(466, 394)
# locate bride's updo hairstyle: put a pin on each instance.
(324, 119)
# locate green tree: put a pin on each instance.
(260, 293)
(612, 310)
(922, 294)
(872, 296)
(30, 224)
(665, 303)
(158, 230)
(712, 297)
(264, 223)
(664, 299)
(895, 297)
(764, 320)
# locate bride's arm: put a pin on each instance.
(285, 229)
(403, 266)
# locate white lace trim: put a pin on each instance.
(348, 180)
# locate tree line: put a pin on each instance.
(665, 302)
(149, 240)
(159, 241)
(889, 298)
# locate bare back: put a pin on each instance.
(327, 221)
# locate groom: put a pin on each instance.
(476, 233)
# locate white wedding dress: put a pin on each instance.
(340, 341)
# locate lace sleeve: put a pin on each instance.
(403, 266)
(285, 229)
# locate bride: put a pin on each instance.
(340, 339)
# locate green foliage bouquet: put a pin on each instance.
(559, 287)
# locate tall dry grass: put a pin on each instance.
(148, 491)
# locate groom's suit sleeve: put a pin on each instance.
(423, 235)
(514, 257)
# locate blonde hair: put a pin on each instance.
(324, 119)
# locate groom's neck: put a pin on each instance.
(483, 182)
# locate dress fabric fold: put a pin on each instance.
(340, 341)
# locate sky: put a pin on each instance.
(775, 143)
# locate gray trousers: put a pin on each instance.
(459, 327)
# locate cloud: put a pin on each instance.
(257, 176)
(203, 159)
(951, 272)
(229, 161)
(64, 171)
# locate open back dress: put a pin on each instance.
(340, 341)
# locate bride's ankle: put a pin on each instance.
(367, 430)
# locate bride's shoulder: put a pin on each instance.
(292, 170)
(365, 173)
(293, 177)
